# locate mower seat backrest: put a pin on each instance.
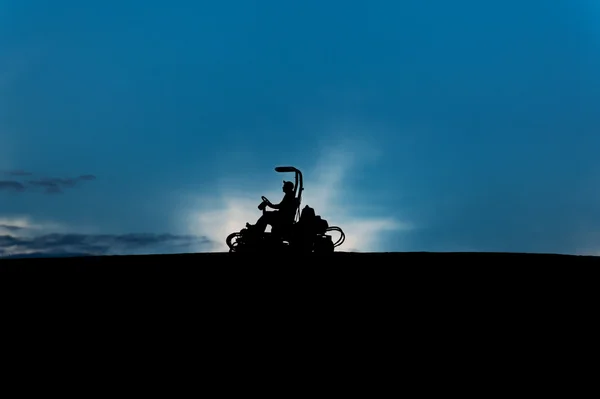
(307, 215)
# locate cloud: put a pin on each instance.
(98, 244)
(325, 190)
(56, 185)
(10, 228)
(19, 237)
(24, 224)
(50, 185)
(17, 172)
(11, 185)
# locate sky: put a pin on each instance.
(419, 125)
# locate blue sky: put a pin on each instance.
(420, 125)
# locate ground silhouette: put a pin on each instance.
(336, 260)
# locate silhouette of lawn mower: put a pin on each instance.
(306, 233)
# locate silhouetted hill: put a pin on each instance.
(345, 259)
(429, 296)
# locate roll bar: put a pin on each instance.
(299, 184)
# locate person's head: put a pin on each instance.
(288, 187)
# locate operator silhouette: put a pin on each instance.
(286, 211)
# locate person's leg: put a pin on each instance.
(267, 218)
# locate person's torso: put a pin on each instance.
(288, 205)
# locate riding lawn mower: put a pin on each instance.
(307, 233)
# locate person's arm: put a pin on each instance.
(283, 201)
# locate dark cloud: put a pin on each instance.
(56, 185)
(45, 255)
(11, 185)
(99, 244)
(50, 185)
(17, 173)
(11, 227)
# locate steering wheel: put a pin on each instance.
(265, 199)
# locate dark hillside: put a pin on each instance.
(196, 261)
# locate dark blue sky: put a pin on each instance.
(420, 124)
